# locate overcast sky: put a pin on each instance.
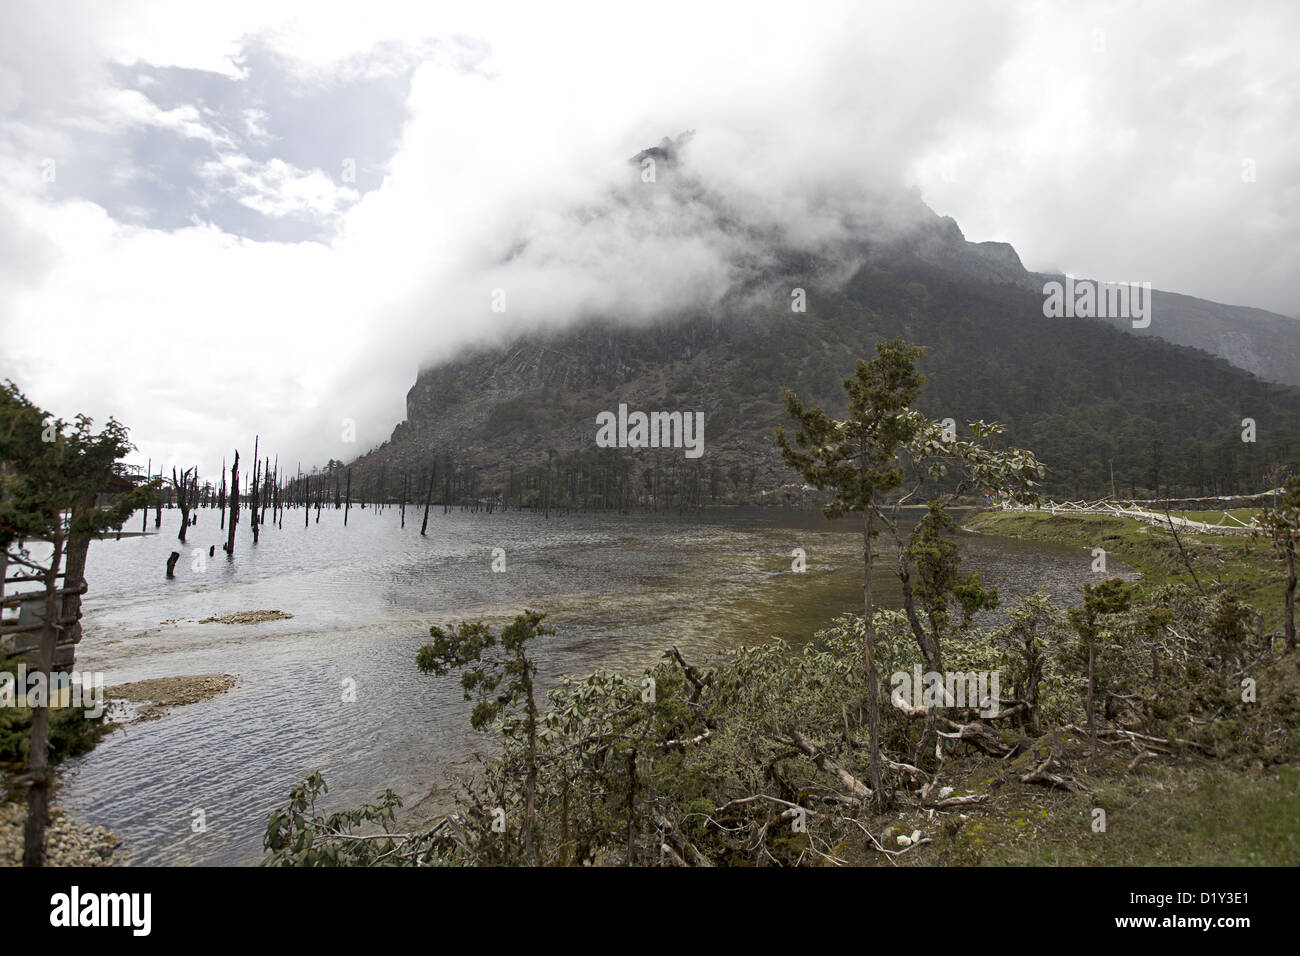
(230, 219)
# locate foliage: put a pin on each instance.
(498, 686)
(72, 733)
(1280, 523)
(467, 648)
(938, 583)
(855, 458)
(299, 835)
(1031, 650)
(52, 468)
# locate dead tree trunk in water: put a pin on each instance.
(221, 499)
(348, 505)
(406, 481)
(144, 512)
(428, 497)
(252, 492)
(234, 507)
(183, 502)
(254, 524)
(266, 490)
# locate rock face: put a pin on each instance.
(991, 354)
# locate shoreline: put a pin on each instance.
(70, 842)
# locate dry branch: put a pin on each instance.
(855, 786)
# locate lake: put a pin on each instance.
(619, 589)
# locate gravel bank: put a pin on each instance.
(67, 843)
(152, 698)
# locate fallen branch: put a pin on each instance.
(978, 735)
(824, 763)
(1147, 738)
(1041, 774)
(965, 801)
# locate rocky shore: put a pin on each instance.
(67, 842)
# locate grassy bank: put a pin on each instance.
(1252, 571)
(1241, 808)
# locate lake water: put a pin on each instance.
(620, 590)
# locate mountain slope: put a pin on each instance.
(1088, 395)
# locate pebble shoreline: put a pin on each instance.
(67, 842)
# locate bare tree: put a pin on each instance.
(184, 499)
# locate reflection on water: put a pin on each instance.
(619, 590)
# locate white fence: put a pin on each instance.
(1227, 524)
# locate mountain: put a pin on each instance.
(1162, 406)
(1261, 342)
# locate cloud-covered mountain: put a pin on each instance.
(1083, 392)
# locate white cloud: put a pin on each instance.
(127, 107)
(1119, 164)
(276, 188)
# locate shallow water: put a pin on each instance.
(620, 590)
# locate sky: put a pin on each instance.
(261, 218)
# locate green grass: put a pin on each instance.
(1240, 810)
(1217, 560)
(1155, 816)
